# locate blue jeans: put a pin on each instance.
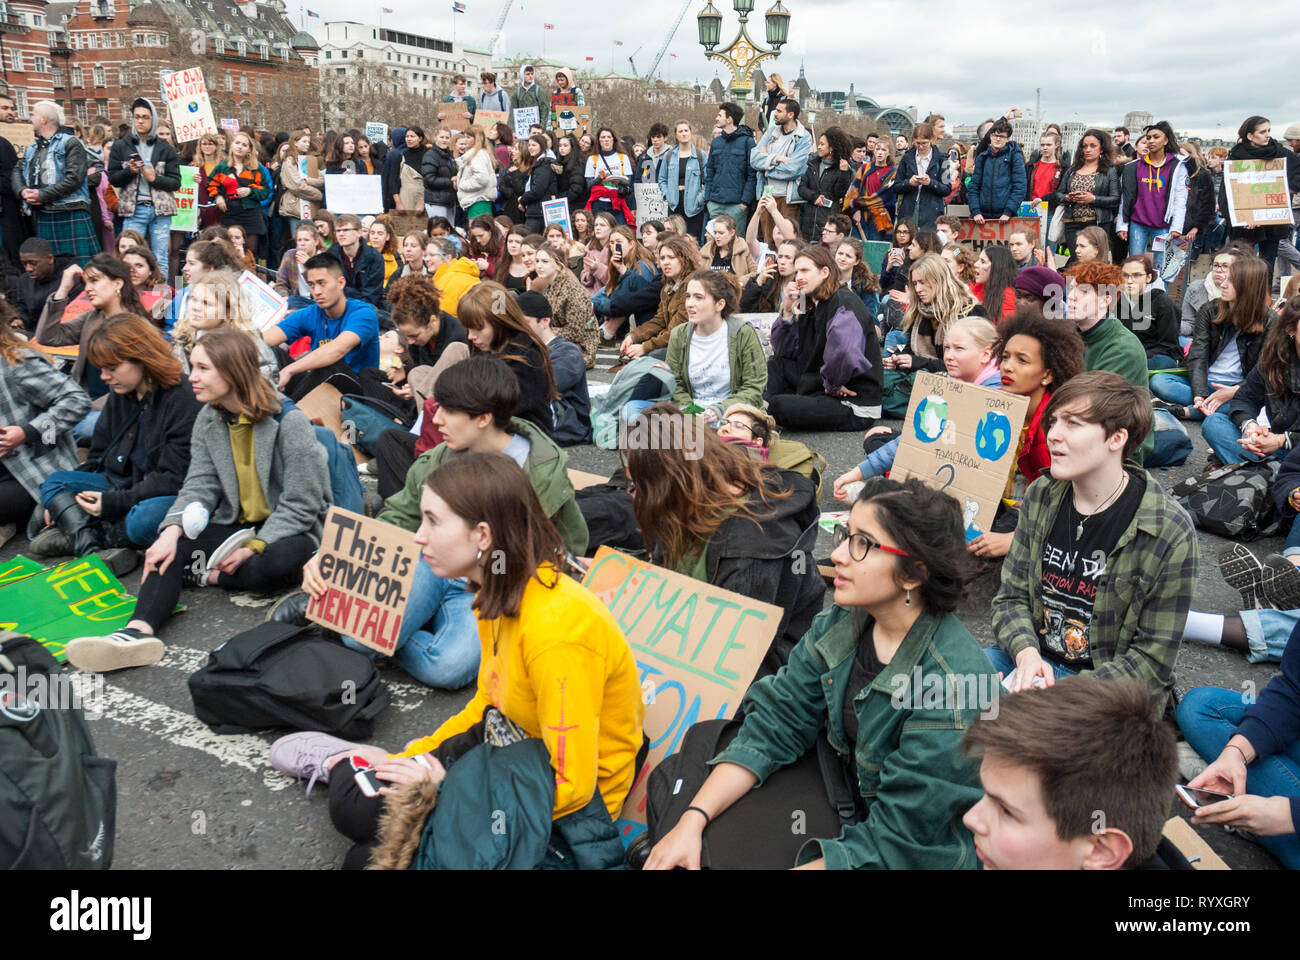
(1003, 664)
(1175, 388)
(1162, 361)
(1208, 717)
(142, 520)
(1222, 435)
(1140, 237)
(157, 232)
(1267, 633)
(84, 431)
(438, 643)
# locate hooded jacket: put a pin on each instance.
(453, 279)
(997, 184)
(729, 177)
(134, 187)
(574, 89)
(530, 96)
(1175, 194)
(547, 469)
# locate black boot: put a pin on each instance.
(81, 528)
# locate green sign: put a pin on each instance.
(79, 598)
(186, 217)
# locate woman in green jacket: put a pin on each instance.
(716, 358)
(892, 677)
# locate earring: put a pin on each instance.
(908, 599)
(479, 558)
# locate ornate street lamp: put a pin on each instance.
(742, 55)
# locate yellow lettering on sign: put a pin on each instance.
(96, 607)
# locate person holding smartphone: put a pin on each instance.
(1256, 756)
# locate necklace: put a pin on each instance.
(1084, 518)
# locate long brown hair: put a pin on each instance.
(125, 336)
(233, 355)
(11, 344)
(1248, 312)
(491, 488)
(1279, 350)
(115, 269)
(682, 476)
(488, 302)
(635, 256)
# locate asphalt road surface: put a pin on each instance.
(189, 798)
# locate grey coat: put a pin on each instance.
(279, 448)
(47, 404)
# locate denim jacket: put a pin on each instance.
(63, 173)
(693, 197)
(914, 778)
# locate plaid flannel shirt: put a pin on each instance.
(1142, 601)
(47, 404)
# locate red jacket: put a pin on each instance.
(1032, 458)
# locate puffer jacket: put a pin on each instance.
(477, 179)
(997, 184)
(728, 174)
(823, 178)
(438, 169)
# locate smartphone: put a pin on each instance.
(769, 260)
(894, 348)
(768, 190)
(1197, 797)
(134, 158)
(364, 774)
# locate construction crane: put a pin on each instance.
(664, 48)
(500, 26)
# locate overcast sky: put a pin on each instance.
(1198, 64)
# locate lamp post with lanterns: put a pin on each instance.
(742, 55)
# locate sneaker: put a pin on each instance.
(365, 470)
(50, 542)
(117, 651)
(228, 546)
(1190, 764)
(1176, 410)
(121, 560)
(1281, 586)
(291, 608)
(304, 755)
(1242, 571)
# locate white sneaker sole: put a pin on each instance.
(228, 546)
(102, 655)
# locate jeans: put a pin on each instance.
(141, 521)
(1003, 664)
(1208, 717)
(1162, 361)
(733, 210)
(1293, 539)
(438, 642)
(1222, 436)
(84, 431)
(1175, 388)
(1140, 236)
(1267, 633)
(157, 231)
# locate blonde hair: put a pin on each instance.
(250, 161)
(981, 330)
(480, 143)
(950, 300)
(232, 305)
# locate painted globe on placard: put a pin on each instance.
(992, 435)
(930, 418)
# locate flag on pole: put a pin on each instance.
(386, 9)
(618, 43)
(313, 13)
(455, 8)
(673, 55)
(549, 26)
(589, 58)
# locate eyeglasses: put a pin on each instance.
(736, 425)
(1222, 264)
(860, 544)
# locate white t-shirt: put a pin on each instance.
(1226, 369)
(709, 368)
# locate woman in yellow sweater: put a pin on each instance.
(554, 663)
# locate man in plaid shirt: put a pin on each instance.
(1100, 573)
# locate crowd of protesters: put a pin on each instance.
(147, 415)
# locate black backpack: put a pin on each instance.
(58, 801)
(282, 675)
(611, 521)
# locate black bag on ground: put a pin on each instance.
(58, 800)
(756, 832)
(1233, 501)
(281, 675)
(611, 522)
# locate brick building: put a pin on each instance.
(95, 56)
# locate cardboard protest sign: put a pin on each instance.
(75, 599)
(186, 217)
(229, 124)
(324, 405)
(569, 118)
(308, 169)
(188, 104)
(993, 231)
(762, 322)
(357, 193)
(1257, 192)
(580, 480)
(697, 649)
(525, 117)
(376, 132)
(650, 202)
(490, 118)
(19, 135)
(963, 440)
(557, 211)
(369, 566)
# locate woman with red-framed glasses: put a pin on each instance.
(891, 679)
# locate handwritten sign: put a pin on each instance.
(75, 599)
(993, 232)
(650, 202)
(369, 566)
(1257, 192)
(697, 649)
(267, 306)
(229, 124)
(490, 118)
(525, 119)
(557, 211)
(569, 117)
(186, 217)
(188, 104)
(361, 194)
(963, 440)
(376, 132)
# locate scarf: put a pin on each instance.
(1245, 150)
(861, 196)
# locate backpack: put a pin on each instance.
(795, 456)
(58, 800)
(606, 410)
(607, 508)
(368, 417)
(282, 675)
(1233, 501)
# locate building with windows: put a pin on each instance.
(1136, 120)
(25, 58)
(425, 64)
